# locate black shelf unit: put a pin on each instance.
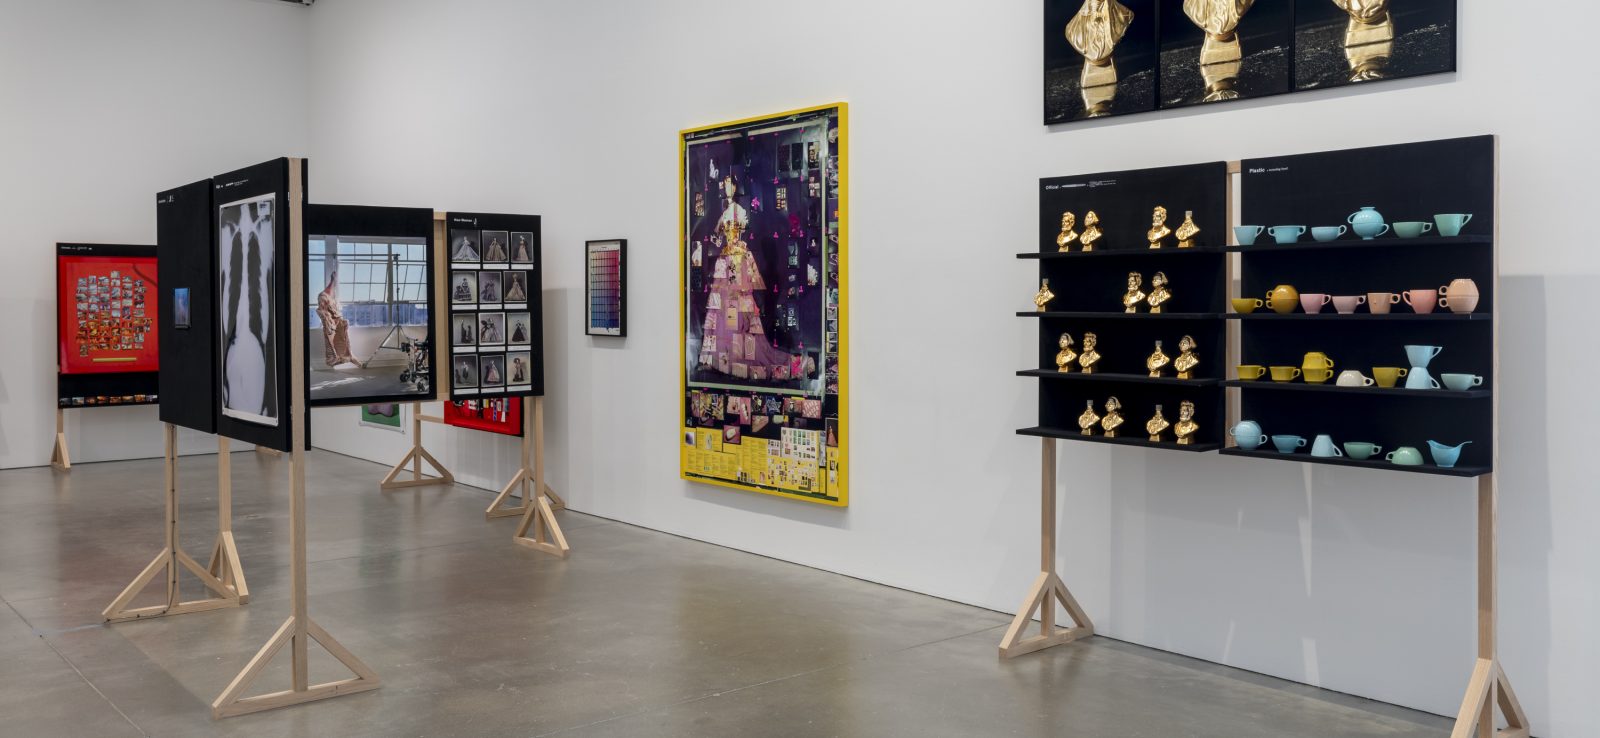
(1330, 388)
(1117, 253)
(1106, 315)
(1374, 463)
(1351, 242)
(1135, 437)
(1332, 316)
(1125, 378)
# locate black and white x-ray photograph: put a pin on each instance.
(464, 246)
(249, 357)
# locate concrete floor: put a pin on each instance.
(638, 634)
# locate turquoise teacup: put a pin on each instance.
(1404, 456)
(1461, 382)
(1412, 228)
(1287, 233)
(1328, 233)
(1361, 450)
(1246, 235)
(1450, 224)
(1287, 444)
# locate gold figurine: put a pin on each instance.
(1088, 420)
(1369, 62)
(1158, 228)
(1113, 417)
(1066, 355)
(1043, 296)
(1186, 426)
(1130, 301)
(1219, 19)
(1186, 361)
(1089, 357)
(1156, 425)
(1370, 22)
(1067, 236)
(1159, 294)
(1187, 231)
(1094, 31)
(1158, 360)
(1091, 231)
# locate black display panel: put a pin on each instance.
(495, 320)
(186, 249)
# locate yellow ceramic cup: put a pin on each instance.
(1387, 376)
(1318, 376)
(1251, 372)
(1247, 305)
(1285, 373)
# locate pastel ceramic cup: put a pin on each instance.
(1419, 379)
(1324, 448)
(1460, 296)
(1450, 224)
(1286, 233)
(1461, 382)
(1353, 378)
(1317, 376)
(1446, 456)
(1421, 355)
(1316, 359)
(1404, 456)
(1312, 302)
(1246, 235)
(1328, 233)
(1367, 222)
(1283, 298)
(1347, 304)
(1287, 444)
(1247, 305)
(1361, 450)
(1247, 434)
(1412, 228)
(1387, 376)
(1378, 303)
(1285, 373)
(1421, 301)
(1251, 372)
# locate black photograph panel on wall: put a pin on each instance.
(496, 346)
(1100, 58)
(1217, 50)
(369, 304)
(1341, 42)
(187, 307)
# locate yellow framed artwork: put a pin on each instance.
(762, 268)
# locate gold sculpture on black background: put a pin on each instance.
(1158, 228)
(1187, 360)
(1043, 296)
(1088, 420)
(1135, 295)
(1157, 361)
(1066, 355)
(1156, 425)
(1091, 231)
(1368, 38)
(1219, 19)
(1068, 235)
(1159, 294)
(1113, 417)
(1089, 357)
(1186, 427)
(1187, 231)
(1094, 32)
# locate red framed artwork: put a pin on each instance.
(503, 415)
(106, 310)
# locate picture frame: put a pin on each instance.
(605, 288)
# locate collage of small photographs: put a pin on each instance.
(491, 326)
(111, 313)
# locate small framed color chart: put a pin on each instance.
(495, 325)
(606, 288)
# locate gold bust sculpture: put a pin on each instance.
(1113, 417)
(1159, 294)
(1135, 295)
(1370, 22)
(1088, 420)
(1094, 32)
(1158, 227)
(1066, 355)
(1091, 231)
(1219, 19)
(1187, 231)
(1064, 241)
(1186, 361)
(1043, 296)
(1186, 426)
(1156, 425)
(1157, 361)
(1089, 357)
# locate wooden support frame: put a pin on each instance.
(224, 577)
(538, 514)
(414, 459)
(298, 630)
(1048, 589)
(59, 457)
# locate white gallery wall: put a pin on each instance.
(104, 103)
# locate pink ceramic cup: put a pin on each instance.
(1347, 304)
(1421, 301)
(1378, 302)
(1312, 302)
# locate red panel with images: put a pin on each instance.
(106, 313)
(502, 416)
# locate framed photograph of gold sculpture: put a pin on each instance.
(1100, 58)
(762, 270)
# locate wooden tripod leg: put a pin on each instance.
(1048, 590)
(59, 458)
(556, 503)
(225, 564)
(1489, 688)
(547, 535)
(414, 459)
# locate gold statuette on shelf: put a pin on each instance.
(1158, 360)
(1089, 357)
(1187, 231)
(1088, 420)
(1158, 228)
(1156, 425)
(1159, 293)
(1066, 355)
(1064, 241)
(1043, 296)
(1091, 231)
(1186, 426)
(1135, 295)
(1187, 360)
(1113, 417)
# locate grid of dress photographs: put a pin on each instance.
(492, 284)
(1112, 57)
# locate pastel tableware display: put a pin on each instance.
(1367, 223)
(1251, 372)
(1287, 444)
(1317, 376)
(1247, 434)
(1312, 302)
(1353, 378)
(1461, 382)
(1419, 379)
(1421, 301)
(1247, 305)
(1460, 296)
(1285, 373)
(1378, 303)
(1327, 233)
(1361, 450)
(1450, 224)
(1412, 228)
(1387, 376)
(1421, 355)
(1286, 233)
(1446, 456)
(1246, 235)
(1282, 299)
(1347, 304)
(1323, 447)
(1404, 456)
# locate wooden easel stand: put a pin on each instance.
(538, 514)
(414, 459)
(1047, 589)
(59, 458)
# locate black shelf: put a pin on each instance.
(1077, 376)
(1167, 251)
(1267, 384)
(1136, 438)
(1357, 243)
(1119, 315)
(1374, 463)
(1444, 316)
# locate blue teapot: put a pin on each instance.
(1367, 222)
(1248, 435)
